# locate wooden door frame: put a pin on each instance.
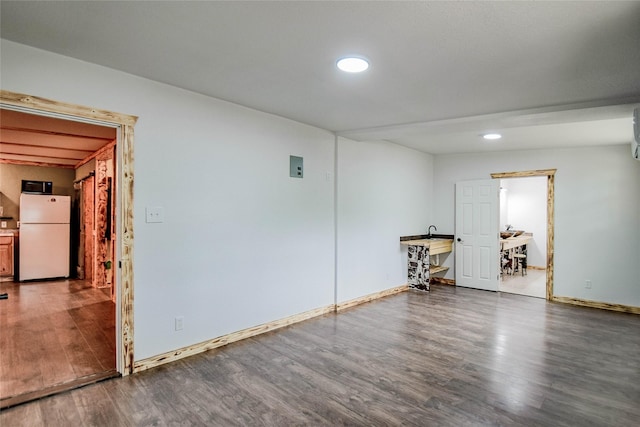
(550, 174)
(124, 181)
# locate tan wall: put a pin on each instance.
(11, 177)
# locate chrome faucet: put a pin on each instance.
(429, 231)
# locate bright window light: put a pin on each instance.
(352, 64)
(492, 136)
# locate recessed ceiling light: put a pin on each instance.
(492, 136)
(352, 64)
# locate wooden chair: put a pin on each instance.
(521, 260)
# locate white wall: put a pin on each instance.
(384, 192)
(526, 200)
(597, 213)
(242, 243)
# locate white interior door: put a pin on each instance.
(477, 216)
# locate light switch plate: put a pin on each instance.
(296, 167)
(154, 214)
(179, 323)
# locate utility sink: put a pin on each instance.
(437, 237)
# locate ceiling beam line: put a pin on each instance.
(512, 118)
(34, 163)
(38, 147)
(54, 133)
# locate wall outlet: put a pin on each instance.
(3, 224)
(154, 214)
(179, 323)
(587, 284)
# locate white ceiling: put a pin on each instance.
(545, 74)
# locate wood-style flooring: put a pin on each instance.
(452, 357)
(53, 333)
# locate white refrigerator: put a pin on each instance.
(44, 236)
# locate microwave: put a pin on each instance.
(37, 187)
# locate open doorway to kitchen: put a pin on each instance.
(93, 326)
(526, 268)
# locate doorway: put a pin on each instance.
(550, 196)
(523, 242)
(123, 200)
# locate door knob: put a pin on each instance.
(459, 240)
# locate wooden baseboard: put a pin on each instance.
(536, 267)
(597, 304)
(361, 300)
(172, 356)
(442, 281)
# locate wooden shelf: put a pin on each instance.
(437, 269)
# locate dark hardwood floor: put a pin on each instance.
(452, 357)
(53, 333)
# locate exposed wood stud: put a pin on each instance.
(88, 221)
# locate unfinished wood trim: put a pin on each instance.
(550, 174)
(550, 234)
(536, 267)
(125, 192)
(172, 356)
(125, 124)
(521, 174)
(442, 281)
(87, 159)
(376, 295)
(36, 103)
(596, 304)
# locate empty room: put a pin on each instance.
(290, 213)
